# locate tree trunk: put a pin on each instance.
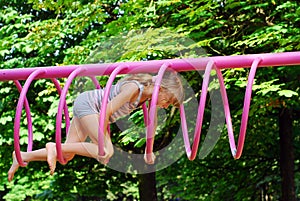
(147, 187)
(287, 155)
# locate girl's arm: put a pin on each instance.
(129, 93)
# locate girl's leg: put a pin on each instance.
(86, 149)
(79, 148)
(37, 155)
(75, 144)
(75, 135)
(90, 124)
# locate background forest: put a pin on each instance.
(64, 32)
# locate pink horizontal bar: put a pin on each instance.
(240, 61)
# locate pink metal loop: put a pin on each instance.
(145, 112)
(191, 153)
(237, 152)
(104, 107)
(30, 78)
(28, 116)
(95, 81)
(66, 112)
(151, 120)
(227, 112)
(61, 104)
(247, 101)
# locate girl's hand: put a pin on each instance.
(105, 159)
(149, 158)
(108, 150)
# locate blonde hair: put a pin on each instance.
(171, 84)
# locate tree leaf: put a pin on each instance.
(287, 93)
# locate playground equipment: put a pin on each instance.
(160, 66)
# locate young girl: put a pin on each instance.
(128, 94)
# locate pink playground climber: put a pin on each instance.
(159, 66)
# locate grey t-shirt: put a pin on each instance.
(90, 102)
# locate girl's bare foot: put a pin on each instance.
(13, 168)
(51, 156)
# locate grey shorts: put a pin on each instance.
(83, 106)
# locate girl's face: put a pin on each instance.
(164, 99)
